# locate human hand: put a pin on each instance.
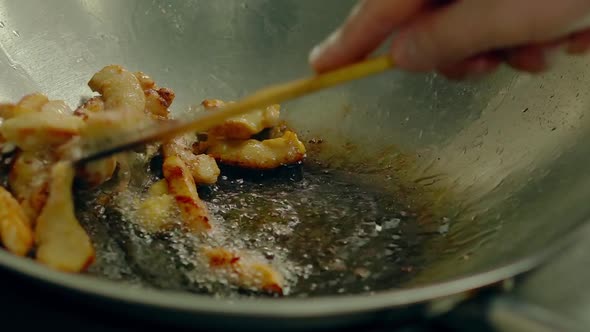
(458, 38)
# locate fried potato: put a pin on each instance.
(28, 181)
(16, 233)
(57, 107)
(203, 168)
(97, 172)
(119, 88)
(39, 210)
(97, 122)
(36, 131)
(101, 125)
(32, 103)
(7, 111)
(159, 188)
(62, 243)
(181, 185)
(92, 105)
(244, 270)
(34, 203)
(145, 81)
(157, 211)
(107, 122)
(211, 104)
(158, 101)
(254, 154)
(243, 126)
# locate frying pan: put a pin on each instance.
(426, 192)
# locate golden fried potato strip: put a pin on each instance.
(57, 107)
(42, 130)
(62, 243)
(145, 81)
(158, 101)
(16, 233)
(92, 105)
(156, 212)
(181, 185)
(262, 155)
(120, 89)
(98, 122)
(203, 168)
(28, 181)
(95, 173)
(30, 104)
(244, 270)
(243, 126)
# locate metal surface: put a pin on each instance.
(499, 161)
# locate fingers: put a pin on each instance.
(534, 58)
(579, 43)
(472, 68)
(464, 29)
(369, 24)
(537, 58)
(455, 37)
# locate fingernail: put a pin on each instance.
(319, 50)
(315, 54)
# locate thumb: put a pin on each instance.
(464, 29)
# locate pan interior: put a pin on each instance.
(329, 230)
(417, 179)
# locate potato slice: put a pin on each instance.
(158, 101)
(120, 89)
(16, 233)
(28, 181)
(57, 107)
(6, 111)
(156, 212)
(32, 103)
(92, 105)
(243, 126)
(93, 174)
(203, 168)
(181, 185)
(159, 188)
(36, 131)
(62, 243)
(263, 155)
(244, 270)
(98, 122)
(145, 80)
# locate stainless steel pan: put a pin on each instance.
(468, 184)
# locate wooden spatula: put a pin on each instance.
(92, 149)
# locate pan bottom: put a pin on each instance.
(329, 232)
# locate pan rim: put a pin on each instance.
(285, 308)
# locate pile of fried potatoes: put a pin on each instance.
(37, 212)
